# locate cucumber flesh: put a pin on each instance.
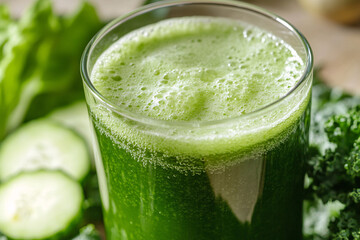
(39, 205)
(74, 116)
(44, 144)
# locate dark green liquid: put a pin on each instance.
(154, 203)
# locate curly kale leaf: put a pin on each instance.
(329, 179)
(335, 175)
(347, 225)
(344, 129)
(326, 102)
(352, 165)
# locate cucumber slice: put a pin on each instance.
(43, 144)
(40, 205)
(74, 116)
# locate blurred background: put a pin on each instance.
(331, 26)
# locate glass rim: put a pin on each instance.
(138, 117)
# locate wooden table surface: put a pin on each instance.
(336, 47)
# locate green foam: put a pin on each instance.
(199, 69)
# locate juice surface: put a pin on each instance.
(196, 69)
(208, 172)
(200, 69)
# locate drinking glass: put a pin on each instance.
(236, 178)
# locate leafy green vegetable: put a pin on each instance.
(88, 233)
(335, 175)
(5, 24)
(39, 69)
(331, 155)
(61, 78)
(330, 178)
(344, 129)
(18, 40)
(317, 217)
(326, 102)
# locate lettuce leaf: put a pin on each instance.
(39, 68)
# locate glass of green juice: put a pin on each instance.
(200, 111)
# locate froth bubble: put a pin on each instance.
(116, 78)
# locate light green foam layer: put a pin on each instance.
(199, 69)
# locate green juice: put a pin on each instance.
(191, 156)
